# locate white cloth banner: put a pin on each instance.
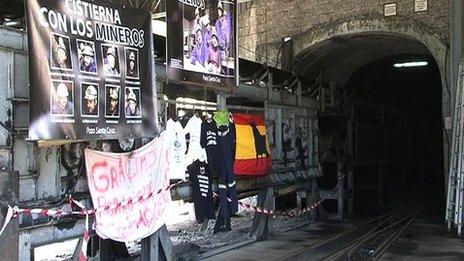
(120, 177)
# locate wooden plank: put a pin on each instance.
(158, 246)
(262, 227)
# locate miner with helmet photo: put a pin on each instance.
(90, 102)
(87, 61)
(62, 103)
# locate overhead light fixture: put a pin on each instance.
(411, 64)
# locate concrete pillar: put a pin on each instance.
(340, 191)
(9, 193)
(299, 102)
(350, 187)
(300, 196)
(270, 85)
(350, 164)
(313, 198)
(221, 102)
(332, 94)
(50, 169)
(380, 183)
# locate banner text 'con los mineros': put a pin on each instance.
(90, 20)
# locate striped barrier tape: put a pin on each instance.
(14, 212)
(274, 214)
(291, 213)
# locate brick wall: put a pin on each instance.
(262, 27)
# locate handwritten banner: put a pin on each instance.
(129, 177)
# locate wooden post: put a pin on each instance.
(111, 250)
(9, 193)
(262, 223)
(157, 247)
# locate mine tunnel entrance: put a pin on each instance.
(407, 135)
(383, 120)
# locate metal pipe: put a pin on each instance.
(244, 108)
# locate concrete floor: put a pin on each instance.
(427, 239)
(282, 245)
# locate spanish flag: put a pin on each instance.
(252, 154)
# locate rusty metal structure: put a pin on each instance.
(45, 177)
(351, 134)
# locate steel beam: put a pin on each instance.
(455, 46)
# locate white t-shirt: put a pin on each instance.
(195, 151)
(177, 149)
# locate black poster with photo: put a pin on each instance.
(90, 70)
(201, 42)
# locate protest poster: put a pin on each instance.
(90, 70)
(201, 41)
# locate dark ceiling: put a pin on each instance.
(339, 57)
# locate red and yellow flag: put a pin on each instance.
(252, 154)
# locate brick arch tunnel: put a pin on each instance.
(385, 121)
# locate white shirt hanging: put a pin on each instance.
(195, 151)
(177, 149)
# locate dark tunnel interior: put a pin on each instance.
(397, 132)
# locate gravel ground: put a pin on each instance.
(189, 241)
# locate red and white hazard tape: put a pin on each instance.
(14, 212)
(291, 213)
(257, 209)
(300, 212)
(85, 240)
(131, 201)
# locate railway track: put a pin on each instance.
(367, 241)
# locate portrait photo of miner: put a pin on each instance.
(87, 60)
(110, 60)
(132, 61)
(62, 98)
(60, 52)
(112, 101)
(133, 103)
(89, 99)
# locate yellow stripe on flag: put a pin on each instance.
(246, 146)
